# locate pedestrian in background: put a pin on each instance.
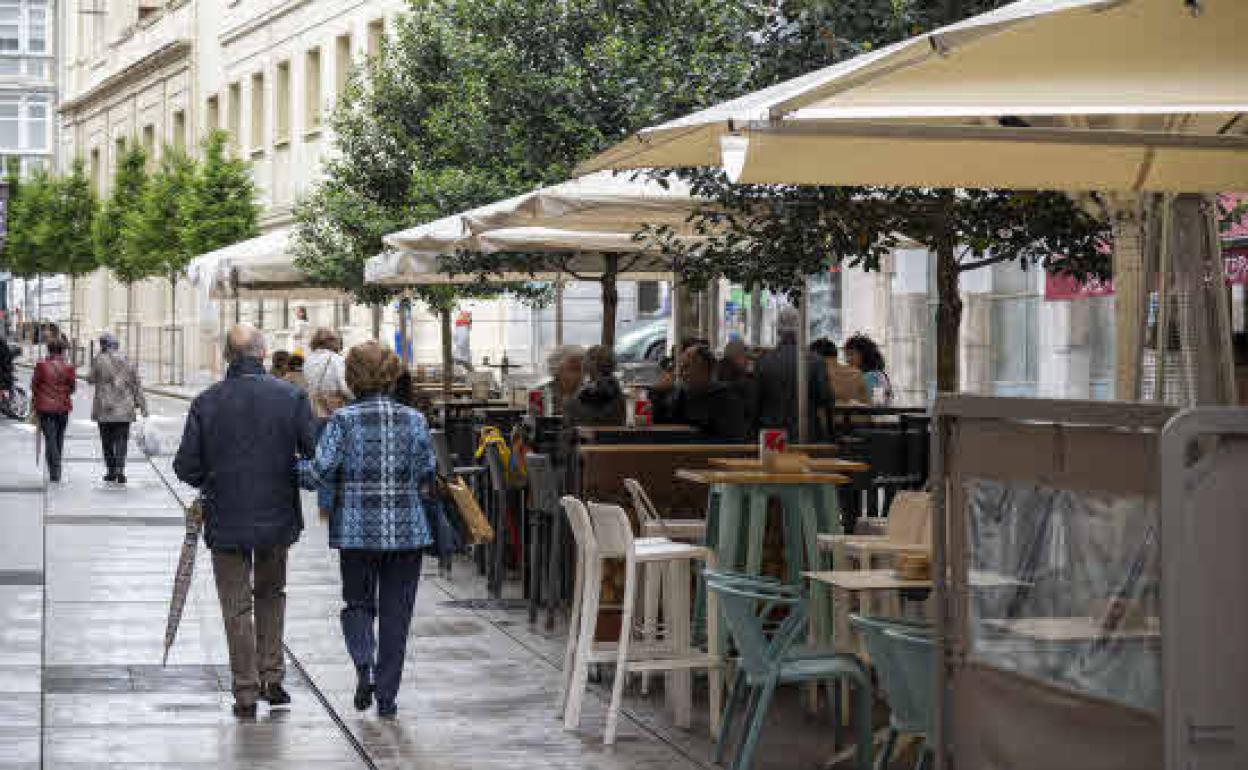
(376, 454)
(599, 400)
(325, 372)
(237, 448)
(734, 372)
(566, 367)
(862, 353)
(294, 372)
(776, 377)
(280, 363)
(118, 396)
(52, 388)
(694, 397)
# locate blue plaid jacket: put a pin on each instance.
(374, 454)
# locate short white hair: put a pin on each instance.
(557, 357)
(244, 341)
(788, 321)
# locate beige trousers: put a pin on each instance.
(254, 636)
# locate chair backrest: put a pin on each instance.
(442, 452)
(543, 483)
(915, 654)
(646, 512)
(582, 530)
(910, 518)
(498, 472)
(909, 708)
(746, 605)
(612, 529)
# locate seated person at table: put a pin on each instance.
(734, 371)
(565, 366)
(698, 399)
(600, 399)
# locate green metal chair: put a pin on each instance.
(901, 652)
(767, 661)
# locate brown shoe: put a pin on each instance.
(245, 710)
(275, 694)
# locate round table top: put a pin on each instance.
(760, 477)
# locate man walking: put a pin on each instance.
(239, 447)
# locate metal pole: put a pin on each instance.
(803, 394)
(1163, 297)
(677, 310)
(559, 311)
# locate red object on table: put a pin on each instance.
(772, 441)
(643, 414)
(537, 402)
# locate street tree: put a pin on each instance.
(67, 237)
(220, 204)
(155, 232)
(129, 183)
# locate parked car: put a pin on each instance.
(646, 342)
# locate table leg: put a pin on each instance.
(756, 527)
(714, 676)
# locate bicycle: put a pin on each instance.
(17, 404)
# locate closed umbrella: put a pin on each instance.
(183, 575)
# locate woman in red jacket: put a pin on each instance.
(53, 388)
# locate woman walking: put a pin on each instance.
(118, 395)
(52, 387)
(376, 455)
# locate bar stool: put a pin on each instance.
(603, 533)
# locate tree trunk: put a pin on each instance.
(948, 315)
(610, 298)
(448, 359)
(377, 321)
(558, 313)
(130, 321)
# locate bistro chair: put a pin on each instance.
(604, 532)
(651, 524)
(544, 518)
(770, 657)
(894, 648)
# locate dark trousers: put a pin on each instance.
(114, 439)
(52, 424)
(379, 586)
(254, 614)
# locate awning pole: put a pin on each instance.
(803, 394)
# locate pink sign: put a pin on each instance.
(1064, 287)
(1235, 262)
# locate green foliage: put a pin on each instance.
(129, 184)
(154, 231)
(68, 247)
(220, 206)
(29, 213)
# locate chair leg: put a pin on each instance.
(574, 637)
(730, 711)
(677, 618)
(651, 582)
(554, 575)
(755, 727)
(926, 757)
(886, 751)
(621, 658)
(584, 646)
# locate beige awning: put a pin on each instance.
(256, 268)
(602, 202)
(1052, 94)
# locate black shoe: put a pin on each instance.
(110, 477)
(120, 478)
(245, 710)
(363, 689)
(275, 694)
(387, 710)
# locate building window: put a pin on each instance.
(94, 169)
(119, 152)
(24, 123)
(257, 112)
(179, 130)
(212, 113)
(342, 64)
(282, 113)
(10, 26)
(149, 145)
(36, 27)
(235, 106)
(312, 89)
(376, 31)
(36, 123)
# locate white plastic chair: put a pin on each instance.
(604, 532)
(654, 525)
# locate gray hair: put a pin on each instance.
(244, 341)
(554, 361)
(108, 341)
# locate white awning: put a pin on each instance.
(258, 267)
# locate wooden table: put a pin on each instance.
(815, 464)
(809, 503)
(1072, 630)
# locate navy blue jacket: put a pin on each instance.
(239, 448)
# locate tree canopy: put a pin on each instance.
(220, 206)
(129, 184)
(155, 231)
(68, 247)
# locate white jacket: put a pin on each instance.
(326, 372)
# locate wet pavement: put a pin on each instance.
(85, 576)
